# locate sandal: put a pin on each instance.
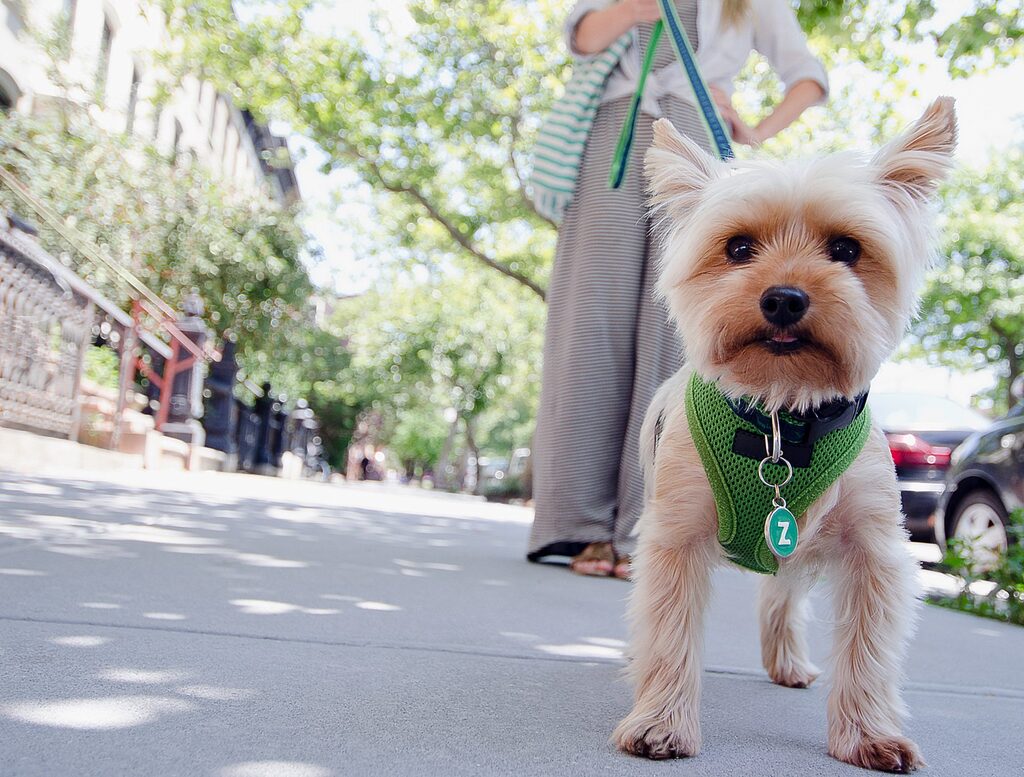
(623, 568)
(595, 560)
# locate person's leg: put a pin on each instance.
(588, 354)
(658, 347)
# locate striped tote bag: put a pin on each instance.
(563, 136)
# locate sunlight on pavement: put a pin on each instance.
(23, 572)
(82, 641)
(38, 489)
(164, 616)
(265, 607)
(140, 676)
(379, 606)
(95, 714)
(249, 559)
(579, 650)
(987, 632)
(427, 565)
(214, 693)
(605, 642)
(63, 528)
(274, 769)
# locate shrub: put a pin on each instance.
(1005, 601)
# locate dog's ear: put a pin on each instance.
(677, 169)
(914, 163)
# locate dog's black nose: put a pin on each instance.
(784, 305)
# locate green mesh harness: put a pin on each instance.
(723, 432)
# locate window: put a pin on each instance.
(67, 37)
(14, 21)
(9, 92)
(213, 113)
(106, 43)
(178, 132)
(133, 100)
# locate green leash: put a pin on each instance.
(621, 159)
(708, 111)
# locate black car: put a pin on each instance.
(923, 430)
(984, 485)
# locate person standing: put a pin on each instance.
(609, 344)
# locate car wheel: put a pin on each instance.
(980, 521)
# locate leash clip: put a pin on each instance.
(776, 451)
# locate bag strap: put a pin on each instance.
(708, 112)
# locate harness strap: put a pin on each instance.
(741, 499)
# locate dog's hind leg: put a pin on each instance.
(875, 587)
(670, 594)
(782, 603)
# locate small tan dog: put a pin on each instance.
(790, 284)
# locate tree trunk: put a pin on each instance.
(475, 453)
(1014, 359)
(441, 478)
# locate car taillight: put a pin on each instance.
(909, 450)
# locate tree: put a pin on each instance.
(177, 230)
(440, 125)
(972, 314)
(455, 345)
(172, 225)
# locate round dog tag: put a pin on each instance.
(780, 532)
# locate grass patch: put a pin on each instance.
(987, 588)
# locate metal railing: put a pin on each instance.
(152, 324)
(45, 327)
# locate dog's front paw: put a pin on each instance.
(883, 754)
(794, 675)
(653, 738)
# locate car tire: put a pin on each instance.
(981, 517)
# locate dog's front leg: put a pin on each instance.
(783, 608)
(670, 594)
(875, 582)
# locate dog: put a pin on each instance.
(790, 284)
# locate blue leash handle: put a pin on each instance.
(708, 111)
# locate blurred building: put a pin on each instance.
(102, 56)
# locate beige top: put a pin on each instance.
(770, 28)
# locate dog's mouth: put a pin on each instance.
(783, 342)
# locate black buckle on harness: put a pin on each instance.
(799, 430)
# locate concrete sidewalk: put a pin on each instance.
(259, 627)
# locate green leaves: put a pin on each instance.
(972, 314)
(173, 226)
(439, 124)
(460, 343)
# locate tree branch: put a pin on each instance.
(519, 176)
(456, 234)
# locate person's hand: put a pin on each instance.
(643, 10)
(725, 109)
(744, 133)
(741, 131)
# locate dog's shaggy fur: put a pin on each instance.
(854, 533)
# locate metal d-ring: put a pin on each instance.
(776, 438)
(760, 472)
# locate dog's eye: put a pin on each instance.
(843, 249)
(740, 249)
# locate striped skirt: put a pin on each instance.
(608, 346)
